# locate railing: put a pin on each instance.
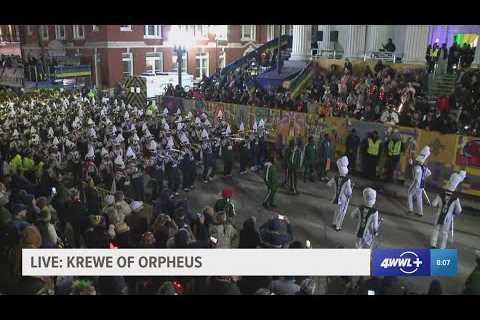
(327, 53)
(380, 55)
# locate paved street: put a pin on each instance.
(311, 215)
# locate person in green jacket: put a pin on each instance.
(472, 284)
(226, 204)
(294, 163)
(310, 152)
(271, 180)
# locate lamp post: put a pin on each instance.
(181, 40)
(216, 31)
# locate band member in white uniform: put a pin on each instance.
(448, 205)
(343, 192)
(416, 189)
(367, 220)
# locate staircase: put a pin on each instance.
(442, 85)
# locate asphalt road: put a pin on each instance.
(311, 214)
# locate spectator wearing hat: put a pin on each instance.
(136, 221)
(276, 233)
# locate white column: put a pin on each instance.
(270, 32)
(476, 60)
(325, 43)
(355, 43)
(376, 36)
(416, 38)
(302, 43)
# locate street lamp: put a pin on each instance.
(217, 31)
(181, 40)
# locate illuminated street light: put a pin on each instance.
(181, 40)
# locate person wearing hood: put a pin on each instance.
(343, 192)
(367, 220)
(416, 189)
(448, 205)
(271, 181)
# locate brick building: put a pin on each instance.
(114, 51)
(9, 39)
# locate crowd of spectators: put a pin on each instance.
(379, 94)
(35, 69)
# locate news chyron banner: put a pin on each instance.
(238, 262)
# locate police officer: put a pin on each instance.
(394, 149)
(373, 153)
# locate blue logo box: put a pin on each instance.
(414, 262)
(401, 262)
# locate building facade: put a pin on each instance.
(115, 51)
(10, 39)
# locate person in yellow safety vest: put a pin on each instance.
(394, 149)
(433, 58)
(373, 153)
(16, 164)
(28, 165)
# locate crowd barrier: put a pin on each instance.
(449, 152)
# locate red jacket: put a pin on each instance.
(442, 103)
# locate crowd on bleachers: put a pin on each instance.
(380, 94)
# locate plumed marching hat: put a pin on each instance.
(119, 161)
(184, 139)
(152, 146)
(342, 165)
(131, 154)
(90, 153)
(424, 154)
(369, 197)
(455, 179)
